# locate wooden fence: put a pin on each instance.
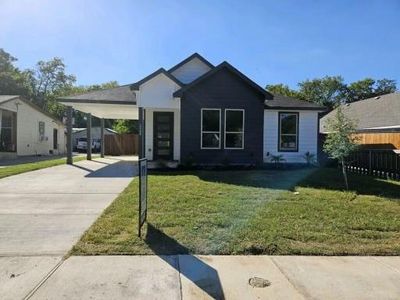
(381, 163)
(121, 144)
(381, 140)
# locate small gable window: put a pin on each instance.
(234, 129)
(288, 131)
(210, 128)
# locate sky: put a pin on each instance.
(269, 41)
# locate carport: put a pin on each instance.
(114, 103)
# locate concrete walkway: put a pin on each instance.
(43, 214)
(222, 277)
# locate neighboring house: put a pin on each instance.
(377, 119)
(25, 129)
(96, 134)
(209, 114)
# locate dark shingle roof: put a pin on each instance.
(284, 102)
(118, 95)
(373, 113)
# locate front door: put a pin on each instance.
(163, 135)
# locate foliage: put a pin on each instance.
(126, 126)
(368, 88)
(12, 80)
(309, 158)
(330, 91)
(326, 91)
(340, 143)
(282, 89)
(277, 158)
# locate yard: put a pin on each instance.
(32, 166)
(252, 212)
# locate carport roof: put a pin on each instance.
(114, 103)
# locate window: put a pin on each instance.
(41, 131)
(288, 131)
(8, 131)
(210, 128)
(234, 129)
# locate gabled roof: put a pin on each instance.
(284, 102)
(135, 86)
(118, 95)
(224, 65)
(191, 57)
(377, 113)
(7, 98)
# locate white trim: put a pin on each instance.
(242, 132)
(201, 129)
(296, 135)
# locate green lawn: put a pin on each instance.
(22, 168)
(252, 212)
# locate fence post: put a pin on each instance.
(370, 163)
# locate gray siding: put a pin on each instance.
(222, 90)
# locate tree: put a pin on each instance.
(327, 91)
(340, 143)
(368, 88)
(126, 126)
(12, 80)
(48, 79)
(282, 89)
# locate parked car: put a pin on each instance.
(82, 145)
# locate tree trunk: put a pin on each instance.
(345, 174)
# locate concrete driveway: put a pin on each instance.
(43, 213)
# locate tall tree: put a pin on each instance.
(282, 89)
(47, 79)
(12, 80)
(327, 91)
(340, 143)
(368, 88)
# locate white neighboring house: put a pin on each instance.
(25, 129)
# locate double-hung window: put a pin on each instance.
(210, 128)
(288, 131)
(234, 128)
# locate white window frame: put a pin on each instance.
(201, 130)
(241, 132)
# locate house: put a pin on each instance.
(78, 133)
(205, 114)
(25, 129)
(377, 120)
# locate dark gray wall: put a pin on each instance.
(222, 90)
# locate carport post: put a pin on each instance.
(69, 135)
(89, 137)
(102, 143)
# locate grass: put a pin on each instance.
(22, 168)
(252, 212)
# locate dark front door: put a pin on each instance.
(163, 135)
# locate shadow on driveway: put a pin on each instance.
(120, 169)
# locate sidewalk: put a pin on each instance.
(221, 277)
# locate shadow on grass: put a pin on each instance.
(332, 179)
(194, 269)
(271, 179)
